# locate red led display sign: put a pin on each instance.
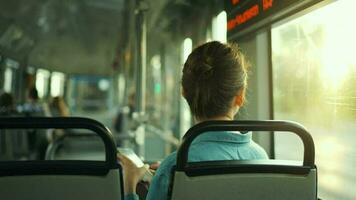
(252, 14)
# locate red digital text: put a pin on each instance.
(243, 17)
(267, 4)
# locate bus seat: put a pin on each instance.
(245, 179)
(61, 179)
(13, 143)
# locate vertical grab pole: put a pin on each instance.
(140, 115)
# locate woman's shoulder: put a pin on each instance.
(168, 163)
(260, 153)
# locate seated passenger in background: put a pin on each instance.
(37, 139)
(7, 104)
(58, 107)
(124, 122)
(213, 83)
(33, 107)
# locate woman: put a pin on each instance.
(58, 107)
(213, 83)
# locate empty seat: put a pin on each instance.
(252, 180)
(65, 179)
(13, 143)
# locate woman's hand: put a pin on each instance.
(132, 174)
(154, 166)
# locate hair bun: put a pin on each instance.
(205, 71)
(208, 71)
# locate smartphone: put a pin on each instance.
(130, 154)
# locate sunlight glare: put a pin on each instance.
(331, 147)
(330, 181)
(338, 52)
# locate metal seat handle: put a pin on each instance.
(66, 123)
(242, 126)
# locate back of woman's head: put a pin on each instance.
(213, 75)
(33, 93)
(58, 107)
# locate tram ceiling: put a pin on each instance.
(170, 21)
(82, 36)
(77, 36)
(182, 18)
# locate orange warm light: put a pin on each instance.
(234, 2)
(267, 4)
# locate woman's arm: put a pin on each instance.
(132, 175)
(160, 183)
(158, 187)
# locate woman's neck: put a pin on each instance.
(225, 117)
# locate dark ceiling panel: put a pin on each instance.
(85, 35)
(70, 34)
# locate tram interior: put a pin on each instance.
(85, 58)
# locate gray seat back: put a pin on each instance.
(13, 143)
(64, 179)
(76, 146)
(58, 181)
(245, 180)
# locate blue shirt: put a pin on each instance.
(206, 147)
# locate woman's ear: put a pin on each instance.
(239, 99)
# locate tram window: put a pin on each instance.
(10, 75)
(42, 82)
(57, 84)
(219, 27)
(154, 101)
(89, 94)
(121, 84)
(185, 119)
(8, 80)
(314, 74)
